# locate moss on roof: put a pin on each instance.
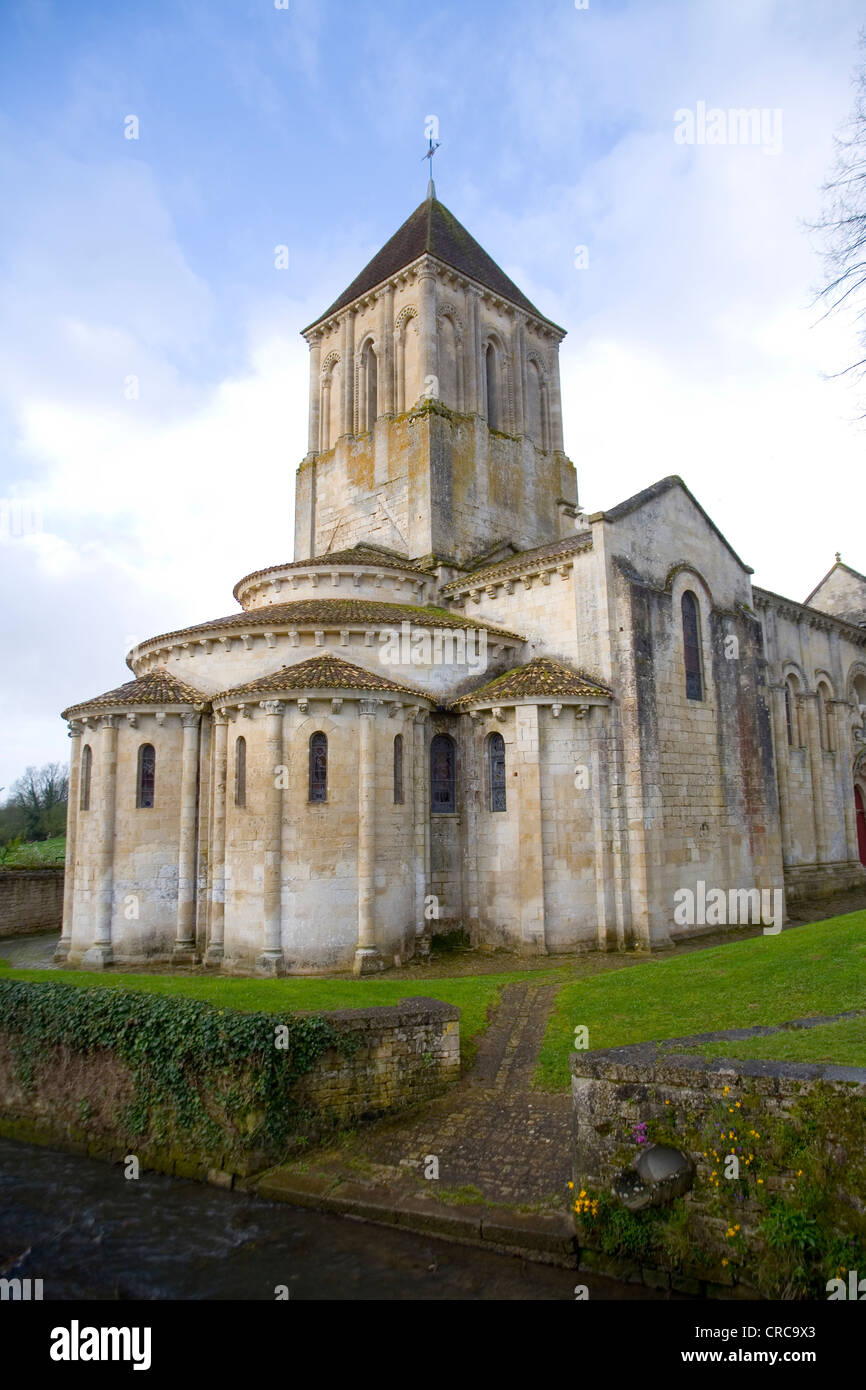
(158, 687)
(353, 555)
(523, 560)
(325, 672)
(542, 677)
(333, 613)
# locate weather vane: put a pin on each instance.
(432, 147)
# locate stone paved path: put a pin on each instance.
(491, 1133)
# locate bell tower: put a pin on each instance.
(435, 421)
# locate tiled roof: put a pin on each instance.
(333, 613)
(540, 677)
(433, 230)
(355, 555)
(156, 688)
(326, 672)
(516, 564)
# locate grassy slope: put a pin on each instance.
(814, 969)
(473, 995)
(37, 852)
(842, 1043)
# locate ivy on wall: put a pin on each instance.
(216, 1074)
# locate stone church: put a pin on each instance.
(465, 703)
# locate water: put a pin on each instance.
(89, 1233)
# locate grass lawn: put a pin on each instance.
(37, 852)
(843, 1043)
(815, 969)
(474, 995)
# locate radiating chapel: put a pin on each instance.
(465, 703)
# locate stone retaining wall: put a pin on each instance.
(794, 1128)
(398, 1056)
(30, 900)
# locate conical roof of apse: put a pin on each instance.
(434, 231)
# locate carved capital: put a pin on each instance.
(76, 729)
(190, 720)
(271, 707)
(108, 721)
(369, 706)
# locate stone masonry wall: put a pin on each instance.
(790, 1124)
(30, 900)
(405, 1054)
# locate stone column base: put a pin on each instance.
(97, 958)
(61, 952)
(367, 962)
(213, 956)
(183, 954)
(271, 964)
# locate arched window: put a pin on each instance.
(86, 769)
(789, 713)
(146, 777)
(318, 767)
(692, 647)
(398, 769)
(370, 387)
(792, 691)
(535, 405)
(494, 401)
(442, 775)
(825, 727)
(496, 771)
(240, 771)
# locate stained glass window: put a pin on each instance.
(442, 790)
(146, 776)
(318, 768)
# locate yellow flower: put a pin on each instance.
(725, 1091)
(737, 1103)
(571, 1184)
(760, 1180)
(724, 1262)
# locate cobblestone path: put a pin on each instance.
(491, 1133)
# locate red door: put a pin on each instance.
(861, 824)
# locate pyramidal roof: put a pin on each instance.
(434, 231)
(540, 678)
(158, 687)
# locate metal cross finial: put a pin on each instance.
(838, 557)
(432, 147)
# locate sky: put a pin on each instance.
(153, 383)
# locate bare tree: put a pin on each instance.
(38, 794)
(843, 226)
